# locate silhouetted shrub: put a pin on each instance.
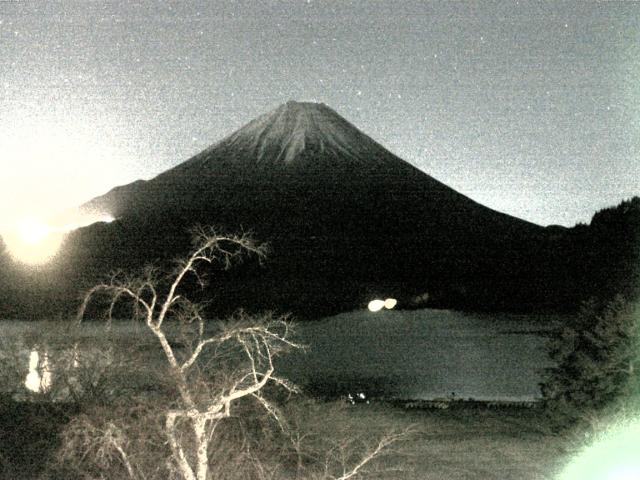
(596, 362)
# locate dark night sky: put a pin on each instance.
(529, 108)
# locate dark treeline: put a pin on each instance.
(572, 265)
(547, 270)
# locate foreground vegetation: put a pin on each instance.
(173, 396)
(454, 444)
(209, 404)
(43, 439)
(596, 364)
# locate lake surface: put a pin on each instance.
(417, 355)
(424, 354)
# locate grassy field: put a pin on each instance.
(461, 442)
(453, 444)
(470, 443)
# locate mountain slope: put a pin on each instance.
(298, 151)
(346, 220)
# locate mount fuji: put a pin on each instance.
(346, 220)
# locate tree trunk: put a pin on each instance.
(202, 444)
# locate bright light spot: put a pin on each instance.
(32, 241)
(613, 457)
(32, 230)
(59, 159)
(376, 305)
(389, 303)
(624, 473)
(35, 381)
(84, 220)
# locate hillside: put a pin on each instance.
(346, 221)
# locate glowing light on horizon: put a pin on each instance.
(32, 230)
(84, 222)
(34, 242)
(59, 157)
(614, 456)
(390, 303)
(377, 304)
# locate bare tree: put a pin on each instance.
(259, 341)
(212, 369)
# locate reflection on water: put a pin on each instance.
(39, 377)
(44, 363)
(416, 355)
(422, 355)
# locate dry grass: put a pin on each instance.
(454, 444)
(465, 443)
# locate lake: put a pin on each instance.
(414, 355)
(424, 354)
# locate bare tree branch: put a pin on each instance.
(375, 452)
(246, 344)
(258, 342)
